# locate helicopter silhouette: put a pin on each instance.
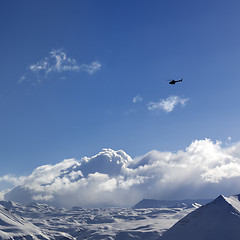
(175, 81)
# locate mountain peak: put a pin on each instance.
(219, 200)
(219, 219)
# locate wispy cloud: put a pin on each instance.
(22, 78)
(137, 99)
(167, 104)
(204, 169)
(58, 62)
(90, 68)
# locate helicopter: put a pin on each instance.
(175, 81)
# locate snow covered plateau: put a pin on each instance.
(41, 221)
(219, 219)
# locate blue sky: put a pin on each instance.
(53, 113)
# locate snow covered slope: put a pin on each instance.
(94, 223)
(15, 227)
(219, 220)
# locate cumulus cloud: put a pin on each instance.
(167, 104)
(58, 62)
(137, 99)
(10, 178)
(204, 169)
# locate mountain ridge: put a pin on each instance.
(219, 219)
(154, 203)
(13, 226)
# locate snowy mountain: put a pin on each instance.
(16, 227)
(153, 203)
(41, 221)
(219, 220)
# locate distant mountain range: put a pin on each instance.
(187, 203)
(149, 219)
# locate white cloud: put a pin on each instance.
(167, 104)
(9, 178)
(90, 68)
(58, 62)
(137, 99)
(204, 169)
(22, 78)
